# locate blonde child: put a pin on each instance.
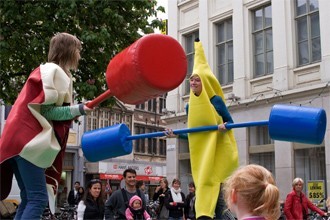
(250, 193)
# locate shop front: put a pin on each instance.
(111, 174)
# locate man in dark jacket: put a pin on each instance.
(73, 194)
(117, 204)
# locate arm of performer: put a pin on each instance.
(62, 113)
(221, 109)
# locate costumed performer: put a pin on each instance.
(213, 154)
(34, 138)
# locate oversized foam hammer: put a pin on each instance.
(286, 123)
(150, 67)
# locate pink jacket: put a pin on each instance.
(294, 206)
(129, 211)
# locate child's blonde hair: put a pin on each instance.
(256, 186)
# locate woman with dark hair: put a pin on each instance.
(189, 209)
(160, 194)
(80, 194)
(92, 205)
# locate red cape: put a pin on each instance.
(21, 127)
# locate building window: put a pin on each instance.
(92, 120)
(104, 118)
(162, 103)
(261, 148)
(263, 41)
(265, 159)
(310, 164)
(308, 32)
(259, 135)
(140, 106)
(224, 49)
(68, 161)
(189, 40)
(152, 105)
(162, 147)
(139, 144)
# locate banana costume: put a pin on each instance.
(213, 154)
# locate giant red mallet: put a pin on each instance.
(150, 67)
(286, 123)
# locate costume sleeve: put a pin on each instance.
(221, 109)
(288, 207)
(61, 113)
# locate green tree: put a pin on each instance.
(105, 27)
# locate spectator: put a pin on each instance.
(140, 184)
(250, 193)
(297, 204)
(73, 194)
(92, 204)
(189, 209)
(117, 204)
(174, 201)
(62, 196)
(80, 194)
(160, 195)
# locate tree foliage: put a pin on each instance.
(105, 27)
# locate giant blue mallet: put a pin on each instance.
(286, 123)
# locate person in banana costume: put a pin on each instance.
(213, 154)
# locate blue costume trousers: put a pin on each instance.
(31, 180)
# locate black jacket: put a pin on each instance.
(93, 210)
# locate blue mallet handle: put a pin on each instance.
(198, 129)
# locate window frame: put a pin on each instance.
(228, 78)
(189, 38)
(265, 51)
(308, 14)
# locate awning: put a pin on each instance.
(138, 177)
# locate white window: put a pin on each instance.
(261, 148)
(189, 40)
(104, 119)
(92, 120)
(310, 164)
(263, 41)
(224, 49)
(308, 32)
(265, 159)
(140, 143)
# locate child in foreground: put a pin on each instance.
(251, 194)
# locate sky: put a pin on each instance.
(163, 3)
(161, 15)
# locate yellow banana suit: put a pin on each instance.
(213, 154)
